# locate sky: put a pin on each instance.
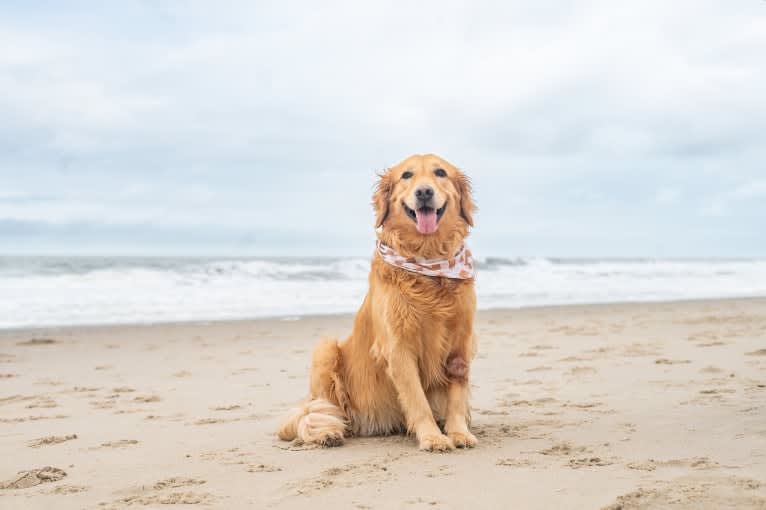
(589, 129)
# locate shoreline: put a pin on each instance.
(346, 315)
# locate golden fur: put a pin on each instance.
(405, 366)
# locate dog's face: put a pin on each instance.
(424, 196)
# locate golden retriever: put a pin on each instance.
(405, 366)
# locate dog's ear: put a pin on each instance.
(467, 205)
(381, 197)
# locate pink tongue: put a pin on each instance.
(426, 219)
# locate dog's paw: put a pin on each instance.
(463, 439)
(436, 443)
(330, 440)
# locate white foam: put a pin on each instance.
(74, 291)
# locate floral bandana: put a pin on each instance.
(459, 267)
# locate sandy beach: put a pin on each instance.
(609, 406)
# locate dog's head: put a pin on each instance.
(424, 205)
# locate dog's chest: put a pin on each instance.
(432, 315)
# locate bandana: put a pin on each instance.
(458, 267)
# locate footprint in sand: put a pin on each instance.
(637, 349)
(717, 391)
(583, 405)
(263, 468)
(582, 371)
(492, 412)
(666, 361)
(588, 462)
(85, 389)
(38, 341)
(175, 482)
(567, 449)
(47, 381)
(573, 358)
(129, 411)
(16, 398)
(26, 479)
(68, 489)
(347, 475)
(8, 376)
(147, 399)
(649, 465)
(494, 434)
(514, 462)
(45, 441)
(232, 407)
(702, 335)
(172, 417)
(709, 492)
(427, 503)
(564, 449)
(759, 352)
(121, 443)
(540, 402)
(42, 403)
(33, 418)
(296, 446)
(209, 421)
(694, 463)
(172, 498)
(102, 404)
(628, 428)
(246, 370)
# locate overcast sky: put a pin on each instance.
(589, 128)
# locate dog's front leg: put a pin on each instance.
(403, 371)
(457, 410)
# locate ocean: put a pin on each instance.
(54, 291)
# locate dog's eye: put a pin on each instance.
(406, 175)
(439, 172)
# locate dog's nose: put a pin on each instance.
(424, 193)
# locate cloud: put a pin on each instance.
(277, 116)
(667, 196)
(746, 197)
(753, 189)
(25, 237)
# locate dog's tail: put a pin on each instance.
(321, 419)
(316, 421)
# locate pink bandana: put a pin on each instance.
(459, 267)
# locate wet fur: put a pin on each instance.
(406, 365)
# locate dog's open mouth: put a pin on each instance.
(426, 218)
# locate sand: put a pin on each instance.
(615, 406)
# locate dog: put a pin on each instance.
(406, 365)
